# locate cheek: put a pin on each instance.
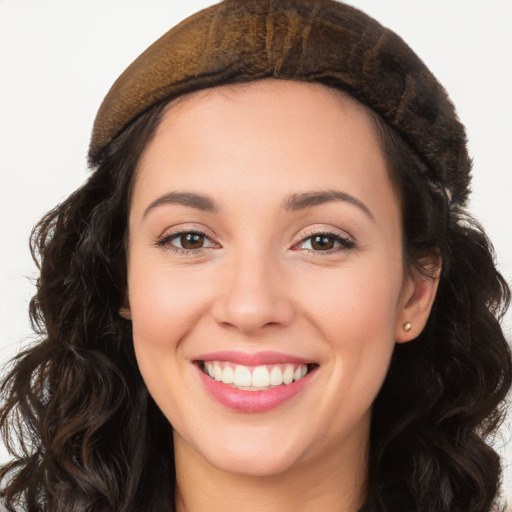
(356, 315)
(356, 304)
(166, 303)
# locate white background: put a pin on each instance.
(59, 57)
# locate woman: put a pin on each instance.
(272, 256)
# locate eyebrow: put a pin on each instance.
(198, 201)
(308, 199)
(293, 203)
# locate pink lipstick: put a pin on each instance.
(253, 382)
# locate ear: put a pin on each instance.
(417, 298)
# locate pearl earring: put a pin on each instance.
(407, 326)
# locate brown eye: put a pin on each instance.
(186, 241)
(192, 240)
(322, 242)
(326, 242)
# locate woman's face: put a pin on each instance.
(264, 243)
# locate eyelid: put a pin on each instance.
(347, 241)
(174, 232)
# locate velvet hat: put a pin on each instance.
(323, 41)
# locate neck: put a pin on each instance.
(336, 483)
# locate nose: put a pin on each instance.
(252, 296)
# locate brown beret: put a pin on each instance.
(321, 41)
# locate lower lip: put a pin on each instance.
(252, 401)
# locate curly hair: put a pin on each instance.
(77, 415)
(88, 437)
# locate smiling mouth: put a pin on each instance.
(255, 378)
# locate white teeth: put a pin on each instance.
(257, 378)
(217, 371)
(260, 377)
(228, 375)
(276, 376)
(288, 375)
(242, 376)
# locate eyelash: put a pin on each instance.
(345, 243)
(165, 242)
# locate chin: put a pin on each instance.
(251, 452)
(254, 463)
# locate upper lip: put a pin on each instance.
(254, 359)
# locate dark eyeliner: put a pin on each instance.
(344, 241)
(165, 241)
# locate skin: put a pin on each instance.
(258, 284)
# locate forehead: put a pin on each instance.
(303, 110)
(272, 135)
(306, 94)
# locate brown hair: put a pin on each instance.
(93, 439)
(89, 436)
